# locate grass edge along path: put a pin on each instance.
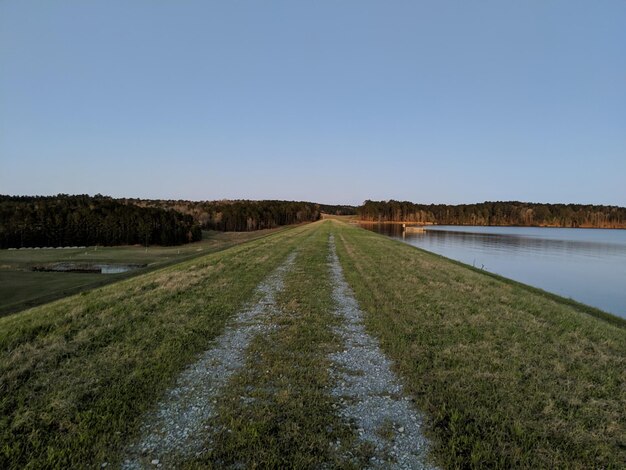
(177, 427)
(371, 394)
(277, 411)
(508, 377)
(76, 375)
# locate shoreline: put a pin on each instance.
(431, 224)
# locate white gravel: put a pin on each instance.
(178, 427)
(371, 395)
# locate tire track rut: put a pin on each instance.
(178, 428)
(371, 394)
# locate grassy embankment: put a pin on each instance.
(76, 375)
(22, 288)
(277, 412)
(509, 376)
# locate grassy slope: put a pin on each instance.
(277, 412)
(76, 374)
(21, 288)
(508, 376)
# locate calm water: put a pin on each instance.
(588, 265)
(115, 268)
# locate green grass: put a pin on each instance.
(22, 288)
(277, 412)
(508, 376)
(76, 375)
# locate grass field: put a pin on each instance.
(506, 376)
(21, 288)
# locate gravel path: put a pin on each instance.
(178, 427)
(369, 391)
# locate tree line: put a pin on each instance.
(82, 220)
(239, 215)
(496, 213)
(338, 209)
(65, 220)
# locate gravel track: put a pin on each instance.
(179, 426)
(371, 395)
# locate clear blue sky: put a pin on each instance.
(329, 101)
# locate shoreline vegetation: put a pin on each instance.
(506, 375)
(500, 213)
(409, 223)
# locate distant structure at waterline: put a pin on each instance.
(413, 228)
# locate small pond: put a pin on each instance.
(89, 268)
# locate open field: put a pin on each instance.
(505, 376)
(21, 288)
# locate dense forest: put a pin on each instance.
(338, 210)
(255, 215)
(64, 220)
(496, 213)
(240, 216)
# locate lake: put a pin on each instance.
(587, 265)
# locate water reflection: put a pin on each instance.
(584, 264)
(116, 268)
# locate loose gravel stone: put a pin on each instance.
(178, 427)
(371, 395)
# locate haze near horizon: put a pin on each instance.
(444, 102)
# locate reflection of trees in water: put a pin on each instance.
(511, 242)
(392, 230)
(502, 242)
(589, 271)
